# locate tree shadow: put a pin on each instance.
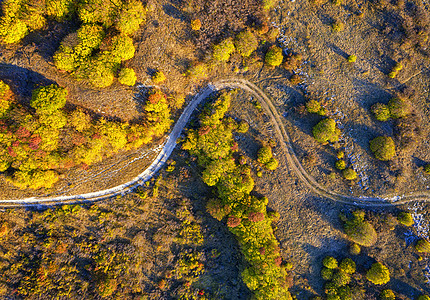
(337, 50)
(174, 12)
(369, 93)
(22, 81)
(47, 41)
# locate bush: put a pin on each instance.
(274, 56)
(56, 119)
(378, 274)
(217, 210)
(399, 108)
(383, 148)
(387, 295)
(326, 273)
(349, 174)
(196, 24)
(48, 99)
(341, 278)
(158, 77)
(80, 120)
(347, 265)
(340, 164)
(127, 76)
(131, 16)
(223, 50)
(122, 47)
(326, 131)
(422, 246)
(264, 154)
(337, 26)
(197, 71)
(405, 218)
(381, 112)
(243, 127)
(330, 262)
(12, 30)
(354, 249)
(59, 9)
(360, 231)
(423, 297)
(246, 43)
(352, 58)
(427, 169)
(313, 106)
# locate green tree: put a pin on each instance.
(48, 99)
(381, 112)
(383, 148)
(326, 131)
(359, 231)
(423, 246)
(405, 218)
(378, 274)
(127, 76)
(131, 16)
(274, 56)
(246, 43)
(399, 108)
(387, 295)
(330, 262)
(223, 50)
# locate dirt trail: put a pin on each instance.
(170, 144)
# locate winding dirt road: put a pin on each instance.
(170, 144)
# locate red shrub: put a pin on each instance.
(22, 132)
(256, 216)
(233, 221)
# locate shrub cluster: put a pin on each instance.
(395, 70)
(245, 215)
(326, 131)
(36, 146)
(396, 108)
(338, 278)
(95, 52)
(378, 274)
(383, 148)
(358, 230)
(387, 295)
(265, 157)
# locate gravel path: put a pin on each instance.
(170, 144)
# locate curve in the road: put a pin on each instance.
(170, 144)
